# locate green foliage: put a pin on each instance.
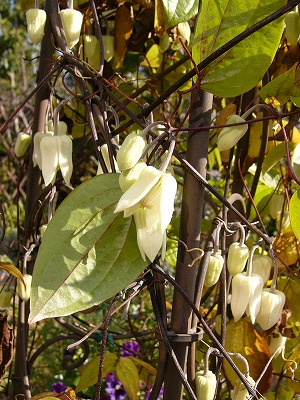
(295, 212)
(274, 156)
(282, 88)
(180, 10)
(127, 373)
(242, 67)
(89, 372)
(88, 253)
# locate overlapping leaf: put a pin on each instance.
(88, 253)
(242, 67)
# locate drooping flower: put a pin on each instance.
(229, 136)
(22, 144)
(151, 200)
(237, 257)
(215, 266)
(272, 302)
(56, 153)
(246, 295)
(205, 385)
(36, 20)
(36, 155)
(131, 151)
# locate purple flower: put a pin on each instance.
(58, 387)
(114, 388)
(129, 349)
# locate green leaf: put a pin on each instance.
(89, 372)
(88, 253)
(180, 10)
(274, 156)
(151, 370)
(127, 373)
(278, 91)
(242, 67)
(294, 213)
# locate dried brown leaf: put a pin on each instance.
(123, 29)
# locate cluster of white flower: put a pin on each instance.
(149, 195)
(52, 152)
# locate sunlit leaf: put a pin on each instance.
(127, 373)
(291, 288)
(278, 91)
(295, 212)
(151, 370)
(242, 67)
(242, 337)
(287, 246)
(11, 269)
(274, 156)
(153, 57)
(89, 372)
(88, 253)
(180, 10)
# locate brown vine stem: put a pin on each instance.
(206, 328)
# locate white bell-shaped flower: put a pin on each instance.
(246, 295)
(272, 302)
(37, 155)
(56, 153)
(151, 200)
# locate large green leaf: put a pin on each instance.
(88, 253)
(242, 67)
(180, 10)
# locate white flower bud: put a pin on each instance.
(71, 21)
(36, 20)
(229, 136)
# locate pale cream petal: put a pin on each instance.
(147, 179)
(241, 291)
(253, 307)
(65, 157)
(49, 155)
(36, 155)
(149, 238)
(168, 192)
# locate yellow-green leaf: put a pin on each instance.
(89, 372)
(128, 374)
(278, 91)
(12, 270)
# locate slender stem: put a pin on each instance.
(250, 260)
(56, 114)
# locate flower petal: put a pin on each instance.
(65, 157)
(149, 237)
(147, 179)
(168, 192)
(49, 155)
